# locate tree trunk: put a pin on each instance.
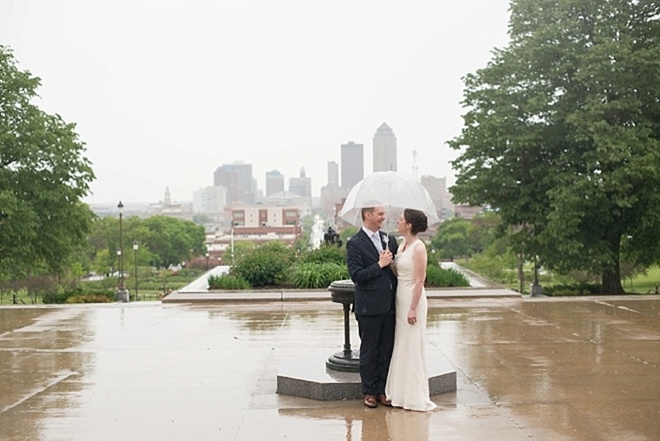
(611, 283)
(521, 273)
(611, 278)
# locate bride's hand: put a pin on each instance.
(412, 316)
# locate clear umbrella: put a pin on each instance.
(392, 190)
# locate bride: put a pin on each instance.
(407, 382)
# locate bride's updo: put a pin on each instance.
(417, 220)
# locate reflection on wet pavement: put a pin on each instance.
(528, 369)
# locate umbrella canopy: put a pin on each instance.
(391, 190)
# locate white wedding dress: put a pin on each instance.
(407, 382)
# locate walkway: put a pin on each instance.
(538, 369)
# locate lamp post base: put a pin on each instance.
(341, 361)
(122, 296)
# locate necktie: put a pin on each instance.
(375, 238)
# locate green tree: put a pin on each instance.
(241, 248)
(561, 134)
(162, 241)
(171, 240)
(483, 230)
(451, 240)
(43, 177)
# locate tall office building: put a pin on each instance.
(384, 149)
(237, 179)
(301, 185)
(333, 173)
(274, 182)
(352, 164)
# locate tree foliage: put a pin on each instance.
(561, 134)
(162, 241)
(461, 237)
(265, 265)
(451, 239)
(173, 240)
(43, 177)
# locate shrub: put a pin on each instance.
(324, 254)
(227, 281)
(442, 278)
(79, 294)
(312, 275)
(91, 298)
(56, 297)
(264, 266)
(575, 289)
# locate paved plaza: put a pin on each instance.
(527, 369)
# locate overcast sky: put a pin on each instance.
(165, 91)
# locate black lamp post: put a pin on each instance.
(231, 230)
(135, 250)
(122, 294)
(536, 290)
(207, 261)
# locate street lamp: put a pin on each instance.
(536, 289)
(207, 261)
(232, 240)
(122, 294)
(135, 250)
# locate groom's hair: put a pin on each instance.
(366, 210)
(370, 207)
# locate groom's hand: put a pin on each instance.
(385, 258)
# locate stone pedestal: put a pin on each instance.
(348, 360)
(308, 377)
(122, 296)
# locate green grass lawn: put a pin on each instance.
(149, 288)
(640, 284)
(643, 283)
(23, 299)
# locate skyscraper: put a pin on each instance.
(352, 164)
(384, 146)
(237, 179)
(274, 182)
(333, 173)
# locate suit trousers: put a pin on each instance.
(377, 341)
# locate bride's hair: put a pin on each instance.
(417, 220)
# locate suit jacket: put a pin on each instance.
(374, 286)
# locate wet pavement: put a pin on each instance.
(527, 369)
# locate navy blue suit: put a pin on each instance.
(375, 288)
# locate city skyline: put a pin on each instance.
(188, 86)
(367, 167)
(290, 183)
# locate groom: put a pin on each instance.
(368, 257)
